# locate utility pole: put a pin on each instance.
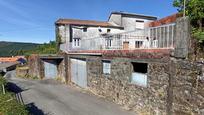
(184, 8)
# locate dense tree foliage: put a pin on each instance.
(195, 10)
(46, 48)
(15, 48)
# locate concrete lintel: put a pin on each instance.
(97, 54)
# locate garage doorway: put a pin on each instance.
(79, 72)
(50, 69)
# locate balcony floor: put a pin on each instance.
(136, 53)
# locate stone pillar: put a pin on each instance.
(182, 37)
(171, 74)
(66, 66)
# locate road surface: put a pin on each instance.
(51, 98)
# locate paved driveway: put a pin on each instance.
(51, 98)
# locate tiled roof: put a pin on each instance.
(165, 20)
(84, 22)
(10, 59)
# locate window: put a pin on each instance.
(84, 29)
(138, 44)
(139, 24)
(108, 30)
(139, 74)
(100, 30)
(106, 67)
(108, 42)
(76, 42)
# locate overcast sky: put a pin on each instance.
(33, 20)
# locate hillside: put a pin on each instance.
(15, 48)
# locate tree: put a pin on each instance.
(195, 11)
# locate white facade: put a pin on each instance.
(87, 37)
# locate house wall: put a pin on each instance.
(64, 33)
(129, 23)
(116, 18)
(182, 39)
(173, 86)
(92, 38)
(117, 87)
(187, 87)
(173, 35)
(36, 66)
(62, 71)
(93, 32)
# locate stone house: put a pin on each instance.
(86, 34)
(134, 60)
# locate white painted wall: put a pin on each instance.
(129, 23)
(93, 32)
(116, 18)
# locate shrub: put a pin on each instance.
(2, 84)
(2, 80)
(198, 34)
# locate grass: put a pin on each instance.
(8, 103)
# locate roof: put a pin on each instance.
(10, 59)
(126, 14)
(166, 20)
(7, 65)
(85, 23)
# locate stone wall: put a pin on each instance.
(22, 71)
(182, 38)
(188, 88)
(61, 71)
(35, 66)
(175, 87)
(117, 87)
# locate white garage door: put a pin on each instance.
(50, 67)
(78, 72)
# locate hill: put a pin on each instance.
(15, 48)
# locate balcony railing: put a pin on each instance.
(122, 41)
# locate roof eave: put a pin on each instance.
(136, 15)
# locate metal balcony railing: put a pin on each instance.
(122, 41)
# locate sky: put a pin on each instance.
(33, 20)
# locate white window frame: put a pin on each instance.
(141, 22)
(76, 42)
(139, 78)
(106, 67)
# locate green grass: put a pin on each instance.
(10, 106)
(8, 103)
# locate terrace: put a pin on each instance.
(161, 37)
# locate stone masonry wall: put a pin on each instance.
(174, 88)
(188, 88)
(35, 68)
(61, 71)
(117, 88)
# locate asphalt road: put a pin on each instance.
(51, 98)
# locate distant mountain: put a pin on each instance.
(15, 48)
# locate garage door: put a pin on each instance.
(78, 72)
(50, 69)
